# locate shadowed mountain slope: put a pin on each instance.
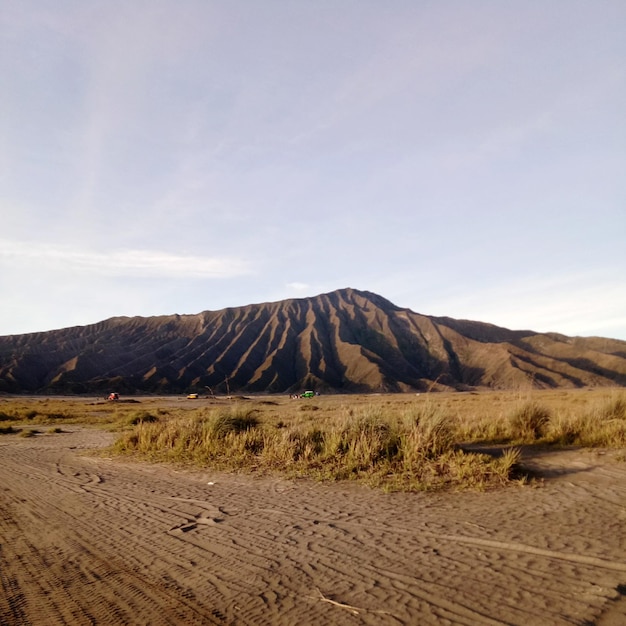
(347, 340)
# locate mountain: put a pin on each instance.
(347, 340)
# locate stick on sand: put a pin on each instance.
(353, 609)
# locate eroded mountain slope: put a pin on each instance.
(345, 340)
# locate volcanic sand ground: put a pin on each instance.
(86, 539)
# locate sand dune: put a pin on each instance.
(91, 540)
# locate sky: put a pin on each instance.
(461, 159)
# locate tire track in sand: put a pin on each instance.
(87, 540)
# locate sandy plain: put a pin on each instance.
(89, 539)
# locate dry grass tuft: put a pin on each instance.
(529, 422)
(393, 441)
(31, 432)
(415, 451)
(601, 425)
(236, 419)
(141, 417)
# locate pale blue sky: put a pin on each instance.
(459, 158)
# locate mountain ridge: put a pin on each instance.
(346, 340)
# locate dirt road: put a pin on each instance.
(91, 540)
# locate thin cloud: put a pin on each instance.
(125, 262)
(298, 286)
(582, 303)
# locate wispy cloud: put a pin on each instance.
(581, 303)
(124, 262)
(296, 286)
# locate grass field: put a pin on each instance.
(396, 442)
